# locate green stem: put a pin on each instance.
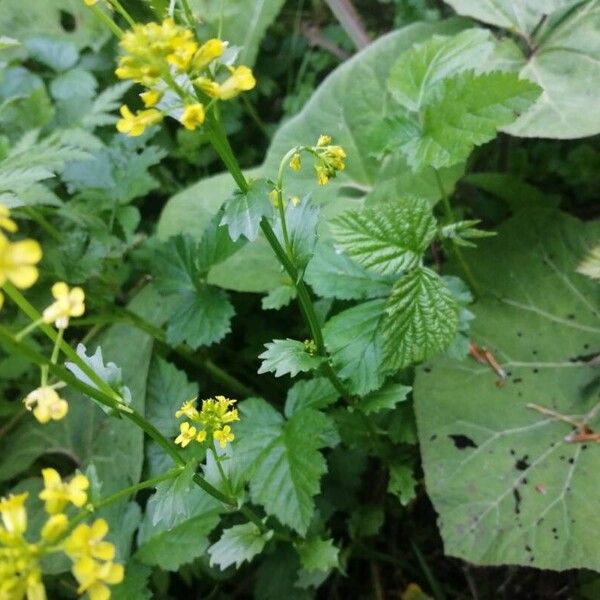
(457, 251)
(119, 8)
(26, 330)
(213, 491)
(189, 16)
(107, 21)
(39, 218)
(224, 477)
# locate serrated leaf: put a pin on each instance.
(421, 318)
(135, 584)
(279, 297)
(312, 393)
(508, 487)
(244, 210)
(281, 459)
(388, 239)
(284, 357)
(302, 222)
(461, 232)
(317, 554)
(402, 482)
(354, 341)
(384, 399)
(418, 73)
(333, 275)
(467, 112)
(202, 317)
(168, 388)
(237, 545)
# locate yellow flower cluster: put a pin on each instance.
(213, 419)
(329, 159)
(92, 557)
(17, 259)
(166, 59)
(46, 404)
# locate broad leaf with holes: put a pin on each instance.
(421, 318)
(388, 239)
(466, 112)
(506, 484)
(563, 57)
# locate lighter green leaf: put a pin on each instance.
(244, 211)
(284, 357)
(508, 487)
(311, 393)
(466, 113)
(421, 318)
(333, 275)
(279, 297)
(317, 554)
(354, 341)
(419, 72)
(402, 482)
(238, 544)
(384, 399)
(388, 239)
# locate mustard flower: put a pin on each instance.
(188, 409)
(193, 115)
(151, 98)
(14, 513)
(135, 124)
(209, 51)
(295, 163)
(55, 526)
(88, 541)
(329, 159)
(20, 573)
(46, 404)
(17, 263)
(223, 436)
(240, 80)
(188, 433)
(68, 303)
(5, 221)
(57, 494)
(95, 577)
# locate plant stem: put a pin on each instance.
(119, 8)
(224, 477)
(457, 251)
(106, 20)
(189, 15)
(433, 583)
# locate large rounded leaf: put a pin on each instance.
(507, 485)
(563, 57)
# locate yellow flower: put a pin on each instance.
(241, 80)
(193, 115)
(69, 303)
(14, 513)
(87, 541)
(188, 433)
(5, 221)
(57, 494)
(223, 436)
(324, 140)
(135, 124)
(46, 404)
(328, 159)
(216, 412)
(54, 526)
(295, 200)
(210, 50)
(17, 262)
(151, 98)
(188, 409)
(93, 577)
(90, 2)
(208, 86)
(20, 574)
(295, 163)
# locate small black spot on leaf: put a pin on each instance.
(522, 464)
(462, 441)
(517, 496)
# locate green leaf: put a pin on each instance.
(202, 317)
(311, 393)
(417, 76)
(333, 275)
(384, 399)
(461, 232)
(354, 341)
(284, 357)
(388, 239)
(507, 485)
(58, 54)
(317, 554)
(135, 584)
(466, 113)
(244, 211)
(168, 388)
(281, 459)
(565, 63)
(238, 544)
(421, 318)
(279, 297)
(276, 577)
(402, 483)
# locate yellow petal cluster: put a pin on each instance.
(57, 494)
(91, 555)
(68, 303)
(46, 404)
(17, 259)
(193, 116)
(212, 419)
(329, 159)
(135, 124)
